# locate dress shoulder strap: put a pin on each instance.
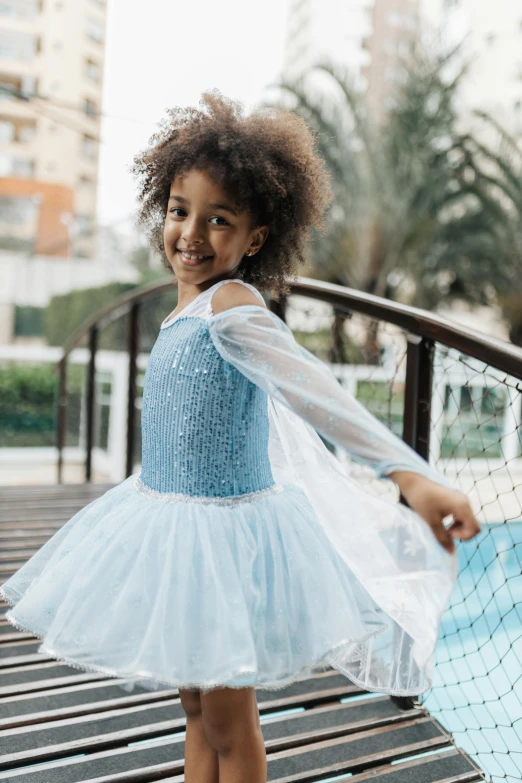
(230, 280)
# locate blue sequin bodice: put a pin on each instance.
(204, 424)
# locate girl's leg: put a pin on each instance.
(232, 726)
(201, 761)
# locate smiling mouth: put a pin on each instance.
(192, 258)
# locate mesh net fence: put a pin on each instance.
(476, 441)
(476, 438)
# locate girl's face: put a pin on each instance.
(205, 236)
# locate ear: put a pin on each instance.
(258, 240)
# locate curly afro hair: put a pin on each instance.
(266, 162)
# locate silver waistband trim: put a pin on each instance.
(178, 497)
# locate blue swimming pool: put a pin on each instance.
(477, 689)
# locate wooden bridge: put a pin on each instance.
(59, 724)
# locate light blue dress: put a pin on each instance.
(211, 567)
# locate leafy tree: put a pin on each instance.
(501, 167)
(416, 218)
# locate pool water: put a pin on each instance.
(477, 688)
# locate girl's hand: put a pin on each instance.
(434, 502)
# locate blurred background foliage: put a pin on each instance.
(424, 212)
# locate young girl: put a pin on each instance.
(243, 554)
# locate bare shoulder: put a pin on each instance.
(233, 295)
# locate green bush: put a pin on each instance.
(27, 405)
(65, 313)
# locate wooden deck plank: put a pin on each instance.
(15, 650)
(433, 771)
(16, 543)
(35, 677)
(113, 727)
(73, 700)
(24, 708)
(345, 754)
(356, 752)
(81, 698)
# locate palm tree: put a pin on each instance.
(414, 218)
(501, 168)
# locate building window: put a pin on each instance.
(13, 86)
(26, 133)
(83, 225)
(23, 167)
(13, 166)
(20, 9)
(15, 45)
(89, 147)
(16, 131)
(90, 108)
(93, 70)
(95, 30)
(7, 131)
(18, 221)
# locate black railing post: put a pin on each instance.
(279, 308)
(91, 398)
(417, 394)
(132, 349)
(61, 416)
(417, 421)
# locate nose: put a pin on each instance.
(193, 233)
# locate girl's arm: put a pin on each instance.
(263, 348)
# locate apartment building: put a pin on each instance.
(372, 38)
(490, 38)
(51, 80)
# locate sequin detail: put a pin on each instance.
(204, 424)
(177, 497)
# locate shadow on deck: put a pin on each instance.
(77, 726)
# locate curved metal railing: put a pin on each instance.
(423, 329)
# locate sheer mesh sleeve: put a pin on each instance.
(262, 347)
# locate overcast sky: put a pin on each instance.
(167, 55)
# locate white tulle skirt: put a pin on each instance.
(250, 594)
(195, 595)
